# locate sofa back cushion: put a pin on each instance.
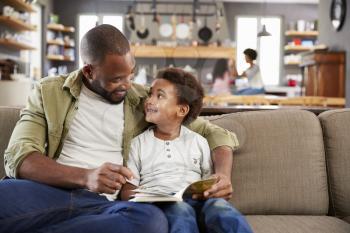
(8, 118)
(279, 167)
(336, 131)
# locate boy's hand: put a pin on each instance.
(107, 178)
(221, 189)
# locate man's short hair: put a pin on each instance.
(101, 41)
(251, 53)
(189, 90)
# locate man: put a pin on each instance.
(68, 149)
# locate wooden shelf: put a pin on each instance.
(297, 48)
(305, 34)
(183, 52)
(15, 45)
(292, 63)
(16, 24)
(19, 5)
(58, 58)
(60, 43)
(60, 27)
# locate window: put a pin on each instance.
(268, 48)
(86, 22)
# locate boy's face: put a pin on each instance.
(161, 107)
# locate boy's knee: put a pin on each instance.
(180, 209)
(153, 219)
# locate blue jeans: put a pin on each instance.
(27, 206)
(213, 215)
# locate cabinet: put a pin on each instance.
(323, 73)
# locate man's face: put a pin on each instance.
(161, 107)
(112, 79)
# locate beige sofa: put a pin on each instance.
(291, 173)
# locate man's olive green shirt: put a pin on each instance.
(51, 108)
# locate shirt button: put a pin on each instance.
(167, 143)
(167, 149)
(169, 156)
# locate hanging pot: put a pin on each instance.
(205, 33)
(182, 29)
(143, 32)
(165, 29)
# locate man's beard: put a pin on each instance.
(105, 94)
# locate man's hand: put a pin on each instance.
(221, 189)
(107, 178)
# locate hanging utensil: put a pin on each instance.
(182, 29)
(205, 32)
(143, 32)
(130, 17)
(173, 23)
(165, 28)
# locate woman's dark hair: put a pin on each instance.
(251, 53)
(221, 66)
(189, 90)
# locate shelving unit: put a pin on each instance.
(20, 5)
(60, 49)
(14, 40)
(295, 49)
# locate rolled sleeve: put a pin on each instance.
(28, 136)
(134, 163)
(215, 135)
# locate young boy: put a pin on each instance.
(169, 157)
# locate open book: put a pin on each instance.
(153, 195)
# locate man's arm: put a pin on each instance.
(105, 179)
(222, 160)
(222, 143)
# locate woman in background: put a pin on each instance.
(255, 85)
(221, 77)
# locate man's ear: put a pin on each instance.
(183, 110)
(87, 71)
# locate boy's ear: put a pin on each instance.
(183, 110)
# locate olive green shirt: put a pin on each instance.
(51, 108)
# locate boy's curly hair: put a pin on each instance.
(189, 90)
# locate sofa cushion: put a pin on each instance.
(336, 128)
(279, 167)
(297, 224)
(8, 118)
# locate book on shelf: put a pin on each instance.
(157, 195)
